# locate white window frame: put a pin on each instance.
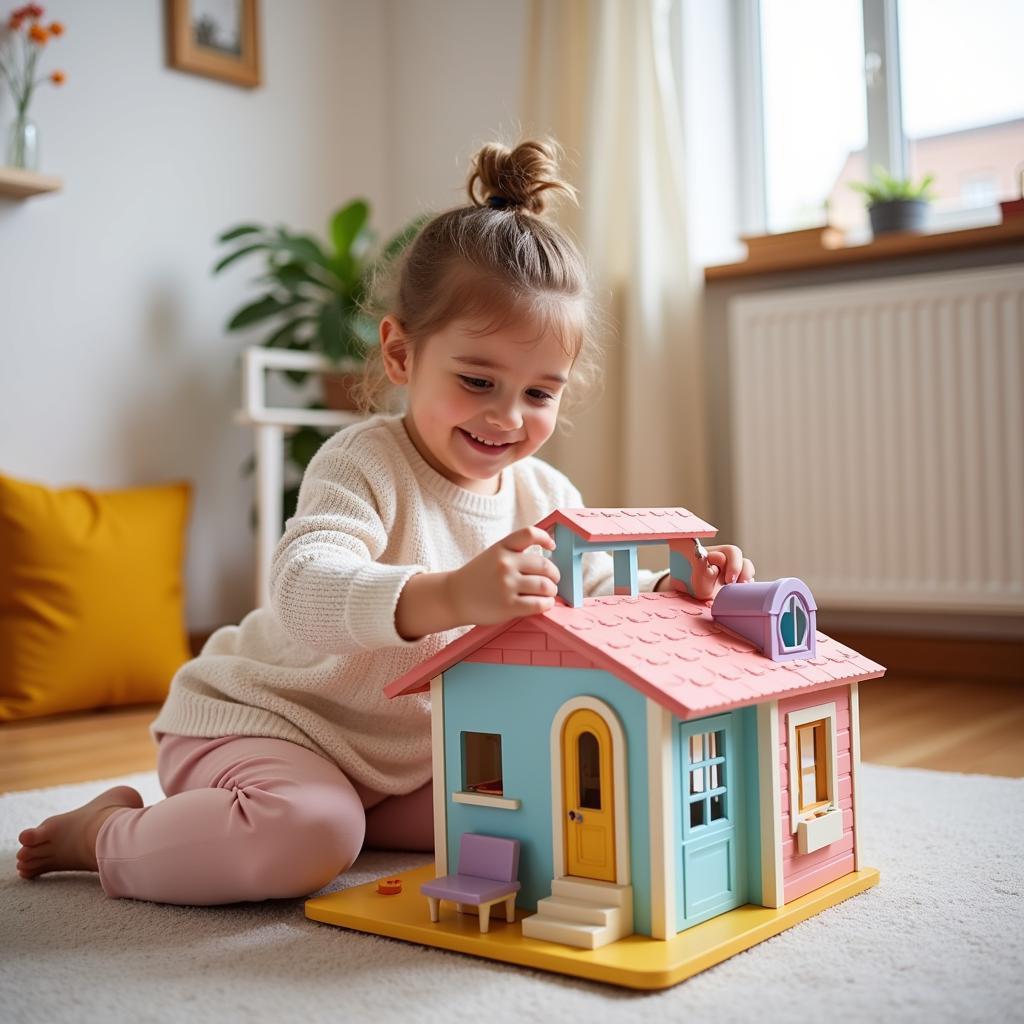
(794, 599)
(886, 142)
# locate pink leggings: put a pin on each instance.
(250, 818)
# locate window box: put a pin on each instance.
(820, 829)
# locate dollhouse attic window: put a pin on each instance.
(777, 617)
(793, 624)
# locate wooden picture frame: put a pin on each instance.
(215, 38)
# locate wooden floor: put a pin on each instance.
(965, 715)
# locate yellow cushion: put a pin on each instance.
(91, 596)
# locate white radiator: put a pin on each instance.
(878, 439)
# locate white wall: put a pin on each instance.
(114, 364)
(115, 368)
(455, 69)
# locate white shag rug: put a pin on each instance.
(940, 939)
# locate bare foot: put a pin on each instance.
(67, 842)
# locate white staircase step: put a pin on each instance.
(569, 933)
(602, 893)
(583, 911)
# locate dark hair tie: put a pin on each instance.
(499, 202)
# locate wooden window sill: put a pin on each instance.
(891, 246)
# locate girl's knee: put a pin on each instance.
(306, 845)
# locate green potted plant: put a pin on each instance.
(312, 301)
(313, 292)
(896, 204)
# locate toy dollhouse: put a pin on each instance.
(660, 781)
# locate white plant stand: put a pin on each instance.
(270, 424)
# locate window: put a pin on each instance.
(917, 86)
(706, 791)
(793, 625)
(814, 116)
(481, 763)
(589, 758)
(813, 754)
(813, 759)
(963, 97)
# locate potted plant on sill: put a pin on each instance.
(896, 204)
(313, 302)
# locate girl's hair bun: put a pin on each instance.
(517, 179)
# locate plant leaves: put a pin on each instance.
(330, 332)
(303, 248)
(261, 309)
(289, 504)
(346, 225)
(236, 255)
(304, 444)
(291, 275)
(284, 337)
(242, 229)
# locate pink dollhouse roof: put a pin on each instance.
(666, 645)
(642, 524)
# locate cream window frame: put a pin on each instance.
(808, 716)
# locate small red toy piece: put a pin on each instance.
(389, 886)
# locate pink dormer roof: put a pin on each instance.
(667, 646)
(620, 524)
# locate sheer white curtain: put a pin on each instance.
(599, 78)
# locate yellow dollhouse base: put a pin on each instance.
(635, 962)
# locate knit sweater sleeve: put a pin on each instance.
(327, 587)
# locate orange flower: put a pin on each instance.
(56, 28)
(58, 78)
(38, 34)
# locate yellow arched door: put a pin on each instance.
(588, 795)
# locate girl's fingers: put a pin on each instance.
(730, 561)
(747, 573)
(533, 605)
(520, 540)
(538, 565)
(534, 583)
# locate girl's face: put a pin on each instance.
(477, 404)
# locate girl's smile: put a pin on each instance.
(478, 402)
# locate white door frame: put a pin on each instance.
(621, 808)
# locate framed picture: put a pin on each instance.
(216, 38)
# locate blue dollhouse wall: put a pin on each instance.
(519, 702)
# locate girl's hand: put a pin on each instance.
(506, 581)
(725, 564)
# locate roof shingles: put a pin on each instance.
(665, 644)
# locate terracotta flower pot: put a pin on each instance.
(338, 390)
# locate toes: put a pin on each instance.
(35, 852)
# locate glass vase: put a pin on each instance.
(23, 144)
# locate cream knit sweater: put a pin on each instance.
(312, 667)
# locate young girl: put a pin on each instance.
(279, 755)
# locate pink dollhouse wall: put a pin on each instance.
(802, 873)
(521, 645)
